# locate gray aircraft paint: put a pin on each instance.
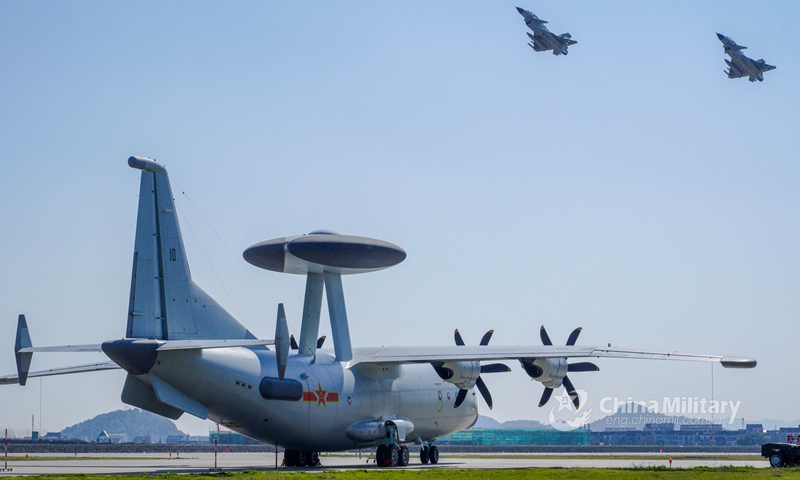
(191, 356)
(542, 38)
(740, 65)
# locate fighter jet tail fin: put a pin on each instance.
(164, 302)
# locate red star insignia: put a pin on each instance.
(320, 396)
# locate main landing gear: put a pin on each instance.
(299, 458)
(392, 456)
(398, 456)
(429, 454)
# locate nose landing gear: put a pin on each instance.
(429, 454)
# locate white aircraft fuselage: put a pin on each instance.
(226, 381)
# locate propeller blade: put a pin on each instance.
(573, 337)
(544, 336)
(572, 393)
(484, 391)
(545, 396)
(293, 343)
(321, 341)
(459, 340)
(495, 368)
(583, 367)
(486, 337)
(462, 394)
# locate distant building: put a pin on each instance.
(228, 437)
(177, 439)
(105, 437)
(143, 439)
(498, 436)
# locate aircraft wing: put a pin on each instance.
(764, 66)
(92, 367)
(401, 355)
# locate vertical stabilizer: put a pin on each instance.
(164, 302)
(23, 341)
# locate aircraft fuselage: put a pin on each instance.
(334, 398)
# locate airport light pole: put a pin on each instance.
(5, 453)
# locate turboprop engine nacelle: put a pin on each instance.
(549, 371)
(464, 375)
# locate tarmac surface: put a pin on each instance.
(202, 462)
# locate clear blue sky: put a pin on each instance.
(629, 188)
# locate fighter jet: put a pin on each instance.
(741, 65)
(542, 38)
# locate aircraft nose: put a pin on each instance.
(520, 10)
(720, 36)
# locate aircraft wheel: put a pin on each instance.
(433, 454)
(290, 458)
(423, 455)
(302, 458)
(775, 461)
(403, 458)
(394, 456)
(380, 455)
(312, 459)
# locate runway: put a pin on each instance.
(202, 462)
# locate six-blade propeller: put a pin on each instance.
(491, 368)
(575, 367)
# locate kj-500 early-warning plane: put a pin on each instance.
(543, 39)
(740, 65)
(184, 353)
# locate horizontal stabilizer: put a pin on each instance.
(203, 344)
(65, 349)
(163, 345)
(92, 367)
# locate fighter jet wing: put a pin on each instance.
(402, 355)
(537, 43)
(764, 66)
(566, 39)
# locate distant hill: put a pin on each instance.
(130, 423)
(489, 422)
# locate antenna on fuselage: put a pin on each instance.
(324, 256)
